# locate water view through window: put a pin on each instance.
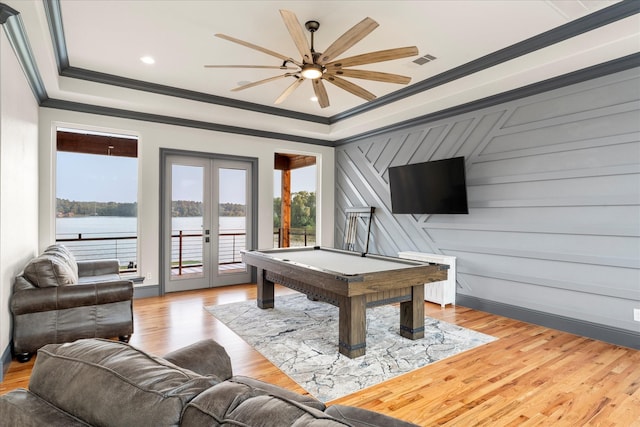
(96, 201)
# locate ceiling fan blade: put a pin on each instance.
(349, 87)
(258, 48)
(321, 93)
(288, 91)
(259, 82)
(371, 57)
(372, 75)
(274, 67)
(348, 39)
(298, 35)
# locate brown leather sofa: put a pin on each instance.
(96, 382)
(57, 299)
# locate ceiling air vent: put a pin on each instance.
(424, 59)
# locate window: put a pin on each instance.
(96, 196)
(295, 200)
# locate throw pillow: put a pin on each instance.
(49, 270)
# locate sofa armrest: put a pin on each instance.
(21, 408)
(98, 267)
(205, 357)
(22, 284)
(358, 417)
(70, 296)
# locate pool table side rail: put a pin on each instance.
(349, 285)
(282, 255)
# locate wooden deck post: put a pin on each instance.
(285, 210)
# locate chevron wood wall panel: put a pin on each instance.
(553, 182)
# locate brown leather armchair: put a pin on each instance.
(58, 299)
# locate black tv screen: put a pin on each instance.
(436, 187)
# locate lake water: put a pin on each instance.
(117, 226)
(91, 227)
(231, 239)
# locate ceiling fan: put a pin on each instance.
(319, 66)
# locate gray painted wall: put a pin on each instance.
(553, 182)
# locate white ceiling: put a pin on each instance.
(111, 36)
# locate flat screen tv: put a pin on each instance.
(436, 187)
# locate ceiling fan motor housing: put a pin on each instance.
(312, 26)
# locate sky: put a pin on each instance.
(87, 177)
(303, 179)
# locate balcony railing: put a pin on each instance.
(186, 247)
(85, 247)
(297, 237)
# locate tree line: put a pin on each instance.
(303, 209)
(179, 208)
(67, 208)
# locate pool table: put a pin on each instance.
(351, 281)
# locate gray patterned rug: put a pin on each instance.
(301, 338)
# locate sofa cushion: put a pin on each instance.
(106, 382)
(99, 279)
(49, 270)
(65, 255)
(98, 267)
(233, 403)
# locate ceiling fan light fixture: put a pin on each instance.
(312, 71)
(314, 65)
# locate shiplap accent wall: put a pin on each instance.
(553, 183)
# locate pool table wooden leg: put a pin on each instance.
(412, 314)
(265, 295)
(352, 330)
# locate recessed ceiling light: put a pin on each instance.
(314, 99)
(148, 60)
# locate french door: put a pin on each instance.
(207, 222)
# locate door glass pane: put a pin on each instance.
(232, 219)
(187, 196)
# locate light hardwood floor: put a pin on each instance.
(530, 376)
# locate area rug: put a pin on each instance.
(300, 337)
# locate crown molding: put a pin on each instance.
(574, 28)
(12, 23)
(579, 76)
(113, 80)
(56, 28)
(6, 12)
(571, 29)
(169, 120)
